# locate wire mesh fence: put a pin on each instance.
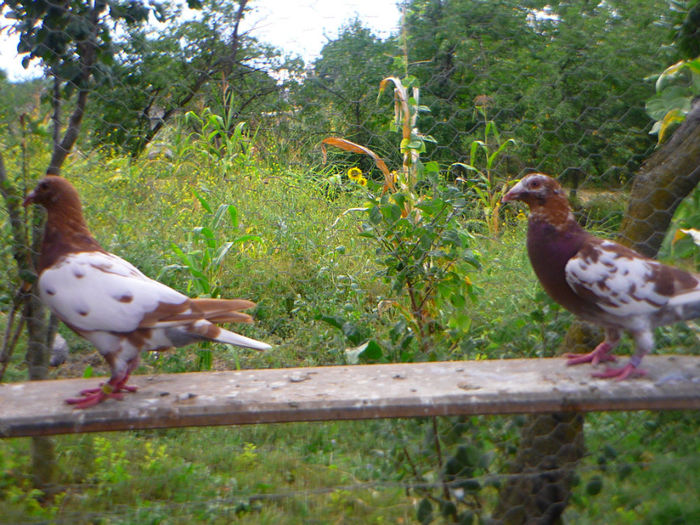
(175, 120)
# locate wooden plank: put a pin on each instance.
(348, 392)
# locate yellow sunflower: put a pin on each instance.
(355, 174)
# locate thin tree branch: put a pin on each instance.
(88, 56)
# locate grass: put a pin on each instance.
(644, 466)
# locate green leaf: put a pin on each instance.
(460, 322)
(233, 214)
(496, 153)
(425, 511)
(238, 130)
(391, 212)
(431, 206)
(208, 235)
(219, 215)
(594, 486)
(247, 238)
(204, 359)
(198, 274)
(375, 215)
(372, 351)
(203, 201)
(181, 255)
(221, 253)
(448, 509)
(475, 147)
(400, 199)
(669, 122)
(674, 97)
(491, 129)
(432, 167)
(352, 332)
(332, 320)
(668, 74)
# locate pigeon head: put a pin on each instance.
(545, 197)
(53, 192)
(65, 231)
(534, 189)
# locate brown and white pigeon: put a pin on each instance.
(112, 304)
(601, 281)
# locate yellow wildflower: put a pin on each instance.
(355, 174)
(362, 181)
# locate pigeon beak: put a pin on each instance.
(514, 194)
(29, 199)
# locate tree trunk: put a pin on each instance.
(34, 315)
(551, 445)
(669, 176)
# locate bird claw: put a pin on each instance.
(619, 374)
(598, 355)
(591, 357)
(94, 396)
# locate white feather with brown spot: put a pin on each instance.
(100, 291)
(622, 285)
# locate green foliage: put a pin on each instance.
(59, 37)
(203, 258)
(204, 255)
(425, 256)
(683, 237)
(686, 30)
(482, 177)
(111, 467)
(158, 76)
(676, 88)
(421, 247)
(218, 140)
(343, 89)
(569, 104)
(545, 78)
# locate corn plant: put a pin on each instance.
(218, 142)
(421, 248)
(484, 180)
(203, 257)
(414, 220)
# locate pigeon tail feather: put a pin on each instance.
(232, 338)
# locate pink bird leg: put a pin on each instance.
(94, 396)
(599, 355)
(629, 370)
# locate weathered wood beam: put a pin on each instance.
(348, 392)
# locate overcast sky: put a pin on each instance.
(295, 26)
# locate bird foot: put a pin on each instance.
(599, 355)
(125, 388)
(102, 388)
(94, 396)
(629, 370)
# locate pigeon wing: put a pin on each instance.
(100, 291)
